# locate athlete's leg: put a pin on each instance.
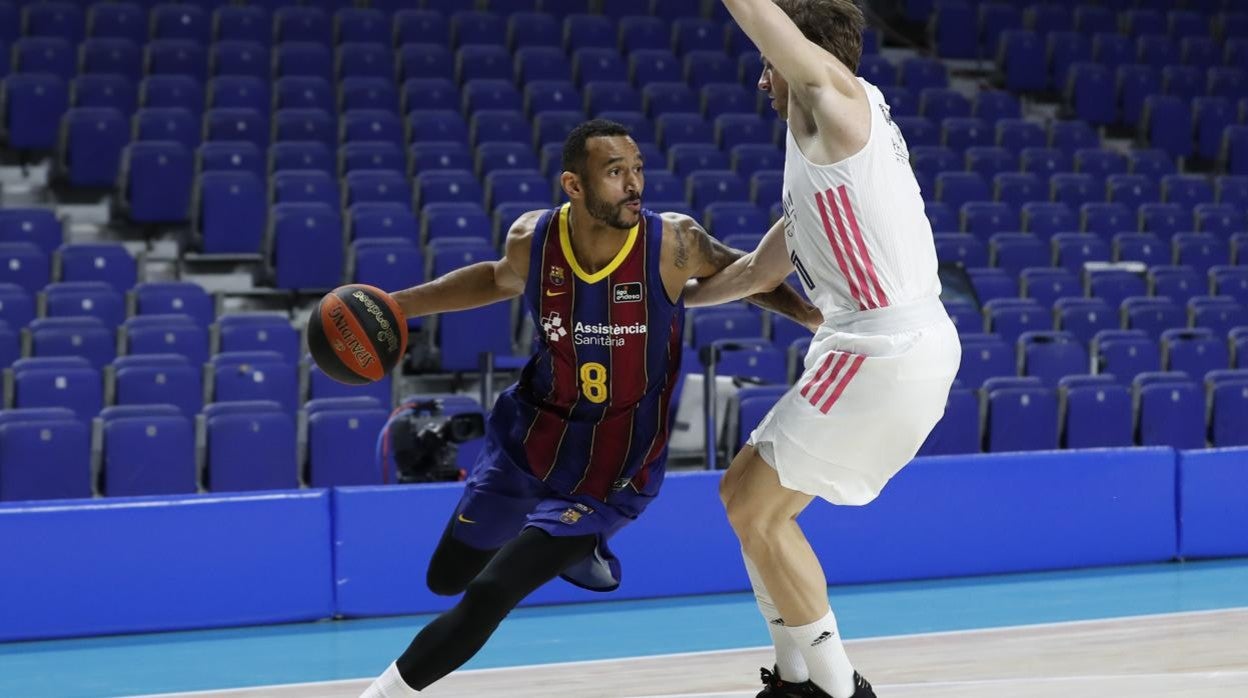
(523, 565)
(763, 513)
(455, 563)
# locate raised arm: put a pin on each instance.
(716, 273)
(477, 284)
(806, 65)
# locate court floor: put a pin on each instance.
(1157, 630)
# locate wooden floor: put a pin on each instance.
(1193, 655)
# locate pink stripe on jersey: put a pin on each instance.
(868, 301)
(827, 382)
(862, 247)
(849, 376)
(823, 368)
(836, 247)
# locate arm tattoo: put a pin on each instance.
(682, 252)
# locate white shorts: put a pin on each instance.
(863, 406)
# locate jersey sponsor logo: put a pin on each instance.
(463, 519)
(628, 293)
(604, 335)
(553, 294)
(552, 325)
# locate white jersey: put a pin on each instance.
(856, 230)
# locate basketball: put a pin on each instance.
(357, 334)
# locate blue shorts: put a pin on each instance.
(501, 498)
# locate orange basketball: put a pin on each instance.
(357, 334)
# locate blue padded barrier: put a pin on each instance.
(1213, 521)
(141, 564)
(940, 517)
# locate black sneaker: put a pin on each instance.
(777, 687)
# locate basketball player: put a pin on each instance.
(576, 449)
(879, 369)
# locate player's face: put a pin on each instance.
(774, 84)
(614, 182)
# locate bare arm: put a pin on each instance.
(698, 256)
(477, 284)
(803, 63)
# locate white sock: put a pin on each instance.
(389, 685)
(789, 660)
(820, 645)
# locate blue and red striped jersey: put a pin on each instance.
(589, 414)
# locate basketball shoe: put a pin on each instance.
(776, 687)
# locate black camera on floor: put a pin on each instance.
(426, 441)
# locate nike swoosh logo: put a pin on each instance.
(552, 293)
(461, 519)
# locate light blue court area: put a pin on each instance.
(217, 659)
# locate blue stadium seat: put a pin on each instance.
(1076, 189)
(879, 71)
(918, 130)
(239, 58)
(711, 186)
(989, 161)
(937, 103)
(917, 73)
(38, 226)
(1154, 315)
(1017, 251)
(391, 264)
(720, 99)
(954, 32)
(377, 186)
(1071, 136)
(1219, 219)
(448, 186)
(181, 21)
(355, 61)
(413, 26)
(89, 149)
(1106, 219)
(84, 298)
(1047, 219)
(1218, 313)
(305, 186)
(1021, 57)
(1179, 282)
(368, 93)
(1046, 19)
(384, 219)
(173, 297)
(358, 24)
(61, 450)
(363, 155)
(1200, 251)
(1097, 416)
(1010, 318)
(1112, 49)
(725, 323)
(961, 248)
(1089, 90)
(990, 283)
(984, 218)
(958, 430)
(1116, 285)
(31, 107)
(1183, 81)
(1194, 351)
(734, 218)
(702, 68)
(640, 32)
(1018, 188)
(962, 133)
(686, 158)
(965, 317)
(107, 262)
(372, 125)
(985, 356)
(1171, 414)
(251, 452)
(166, 334)
(1167, 121)
(240, 92)
(148, 455)
(105, 92)
(459, 336)
(1073, 250)
(305, 246)
(1231, 282)
(454, 220)
(934, 159)
(1200, 51)
(1047, 284)
(749, 158)
(1022, 419)
(236, 125)
(254, 375)
(1044, 162)
(1064, 49)
(230, 157)
(121, 21)
(84, 336)
(1186, 190)
(17, 306)
(1164, 220)
(341, 445)
(310, 24)
(1125, 353)
(957, 188)
(322, 387)
(1100, 163)
(1084, 317)
(176, 57)
(1131, 190)
(230, 212)
(53, 56)
(156, 182)
(250, 332)
(77, 387)
(1016, 134)
(753, 359)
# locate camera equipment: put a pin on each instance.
(425, 441)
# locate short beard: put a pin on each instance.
(604, 212)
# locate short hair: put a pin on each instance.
(835, 25)
(575, 148)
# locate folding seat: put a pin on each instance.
(148, 455)
(420, 27)
(527, 29)
(17, 307)
(934, 159)
(251, 452)
(1084, 317)
(1047, 284)
(1229, 83)
(1089, 90)
(1131, 190)
(1112, 49)
(305, 246)
(105, 92)
(551, 95)
(1021, 419)
(1125, 353)
(110, 263)
(181, 21)
(97, 299)
(169, 124)
(1017, 251)
(254, 375)
(674, 129)
(455, 220)
(1232, 190)
(719, 99)
(1134, 84)
(384, 219)
(711, 186)
(305, 186)
(1177, 282)
(983, 219)
(462, 336)
(1156, 50)
(39, 384)
(1171, 414)
(1100, 163)
(1186, 190)
(1218, 313)
(1096, 416)
(355, 61)
(1230, 281)
(363, 25)
(748, 158)
(1194, 351)
(1234, 152)
(303, 59)
(82, 336)
(44, 54)
(173, 298)
(1167, 121)
(390, 264)
(702, 68)
(166, 334)
(304, 92)
(1116, 285)
(541, 63)
(990, 283)
(38, 226)
(1018, 188)
(605, 69)
(937, 103)
(448, 186)
(119, 21)
(371, 155)
(372, 125)
(1106, 219)
(488, 95)
(958, 188)
(877, 70)
(724, 323)
(247, 23)
(1073, 250)
(1046, 19)
(1154, 315)
(425, 60)
(1219, 219)
(237, 125)
(1150, 162)
(965, 317)
(1076, 189)
(957, 431)
(31, 107)
(582, 30)
(758, 360)
(732, 130)
(512, 186)
(992, 105)
(942, 217)
(302, 155)
(1183, 81)
(1011, 317)
(115, 57)
(734, 218)
(1064, 49)
(989, 161)
(240, 92)
(480, 28)
(1071, 136)
(61, 448)
(640, 128)
(1200, 251)
(499, 126)
(1199, 51)
(765, 186)
(1021, 57)
(176, 57)
(25, 266)
(1052, 355)
(1044, 162)
(918, 130)
(963, 133)
(1016, 134)
(341, 446)
(480, 62)
(252, 332)
(367, 93)
(1181, 24)
(90, 145)
(1228, 424)
(230, 212)
(960, 248)
(1164, 220)
(436, 126)
(639, 32)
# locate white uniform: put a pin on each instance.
(878, 372)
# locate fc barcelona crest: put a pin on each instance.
(570, 516)
(556, 276)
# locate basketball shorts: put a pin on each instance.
(871, 392)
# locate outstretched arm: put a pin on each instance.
(807, 67)
(717, 273)
(477, 284)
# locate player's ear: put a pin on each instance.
(571, 185)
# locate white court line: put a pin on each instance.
(734, 650)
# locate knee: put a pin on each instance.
(727, 484)
(443, 582)
(754, 525)
(488, 598)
